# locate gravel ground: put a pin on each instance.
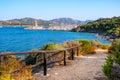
(87, 67)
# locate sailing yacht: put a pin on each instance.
(36, 27)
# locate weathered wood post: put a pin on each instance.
(72, 54)
(1, 59)
(45, 64)
(77, 51)
(64, 57)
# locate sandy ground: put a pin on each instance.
(87, 67)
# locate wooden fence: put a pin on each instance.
(47, 57)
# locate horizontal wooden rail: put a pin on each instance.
(35, 52)
(30, 52)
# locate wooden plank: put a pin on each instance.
(30, 52)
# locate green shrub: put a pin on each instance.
(52, 46)
(86, 46)
(107, 67)
(113, 60)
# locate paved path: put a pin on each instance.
(87, 67)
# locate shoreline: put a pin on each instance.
(105, 37)
(102, 35)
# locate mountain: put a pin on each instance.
(31, 21)
(109, 27)
(26, 21)
(66, 21)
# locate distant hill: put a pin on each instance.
(25, 21)
(31, 21)
(66, 21)
(104, 26)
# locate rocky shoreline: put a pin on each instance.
(107, 37)
(104, 36)
(100, 34)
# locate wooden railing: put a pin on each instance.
(47, 57)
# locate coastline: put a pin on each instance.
(106, 37)
(102, 35)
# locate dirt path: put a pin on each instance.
(88, 67)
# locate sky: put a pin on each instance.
(51, 9)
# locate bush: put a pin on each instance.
(96, 44)
(52, 46)
(112, 67)
(71, 44)
(107, 67)
(5, 77)
(86, 46)
(9, 64)
(105, 46)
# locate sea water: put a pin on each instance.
(14, 39)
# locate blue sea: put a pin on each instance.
(15, 39)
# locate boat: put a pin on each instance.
(36, 27)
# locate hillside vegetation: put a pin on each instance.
(104, 26)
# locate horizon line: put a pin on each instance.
(56, 18)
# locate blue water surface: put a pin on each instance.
(14, 39)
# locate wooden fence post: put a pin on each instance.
(77, 51)
(65, 58)
(72, 54)
(45, 64)
(1, 59)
